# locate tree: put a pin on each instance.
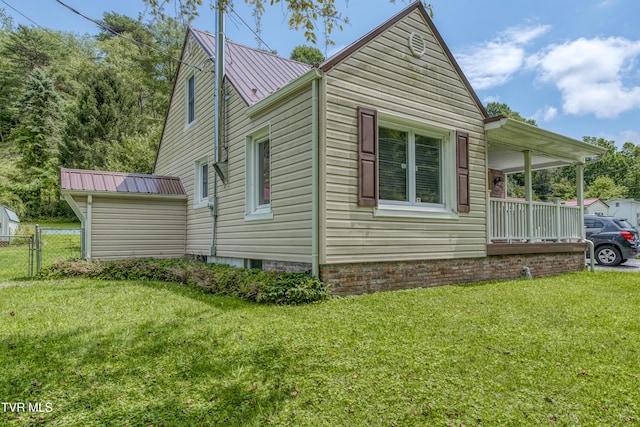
(40, 112)
(135, 153)
(613, 163)
(307, 54)
(605, 188)
(300, 14)
(29, 48)
(499, 109)
(148, 71)
(6, 22)
(105, 112)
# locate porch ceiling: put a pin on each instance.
(508, 139)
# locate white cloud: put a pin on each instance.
(490, 99)
(591, 75)
(546, 114)
(494, 62)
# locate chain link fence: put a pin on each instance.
(17, 256)
(26, 254)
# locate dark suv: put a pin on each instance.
(615, 240)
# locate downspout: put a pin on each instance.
(315, 211)
(217, 101)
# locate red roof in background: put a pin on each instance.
(255, 74)
(587, 202)
(117, 182)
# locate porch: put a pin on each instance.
(527, 226)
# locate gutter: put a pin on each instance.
(123, 195)
(284, 92)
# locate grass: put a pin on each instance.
(553, 351)
(14, 259)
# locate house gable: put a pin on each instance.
(403, 71)
(415, 38)
(250, 76)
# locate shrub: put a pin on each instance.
(250, 284)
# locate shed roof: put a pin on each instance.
(255, 74)
(90, 181)
(11, 214)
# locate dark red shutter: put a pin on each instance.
(462, 162)
(367, 156)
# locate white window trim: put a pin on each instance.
(198, 200)
(186, 101)
(446, 210)
(253, 210)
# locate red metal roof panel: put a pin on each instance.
(118, 182)
(255, 74)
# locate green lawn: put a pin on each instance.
(556, 351)
(14, 259)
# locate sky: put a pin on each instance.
(572, 65)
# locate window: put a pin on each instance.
(201, 192)
(191, 99)
(258, 176)
(410, 168)
(264, 173)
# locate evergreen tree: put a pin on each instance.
(36, 137)
(105, 112)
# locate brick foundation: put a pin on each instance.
(360, 278)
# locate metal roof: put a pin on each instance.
(255, 74)
(587, 202)
(11, 215)
(509, 138)
(90, 181)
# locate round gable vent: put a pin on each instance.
(417, 46)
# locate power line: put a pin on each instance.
(48, 30)
(114, 32)
(23, 15)
(250, 29)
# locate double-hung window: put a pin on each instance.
(258, 175)
(201, 185)
(191, 99)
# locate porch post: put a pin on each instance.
(528, 194)
(580, 195)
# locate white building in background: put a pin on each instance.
(9, 222)
(592, 206)
(628, 209)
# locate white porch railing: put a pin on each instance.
(508, 221)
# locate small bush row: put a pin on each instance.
(250, 284)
